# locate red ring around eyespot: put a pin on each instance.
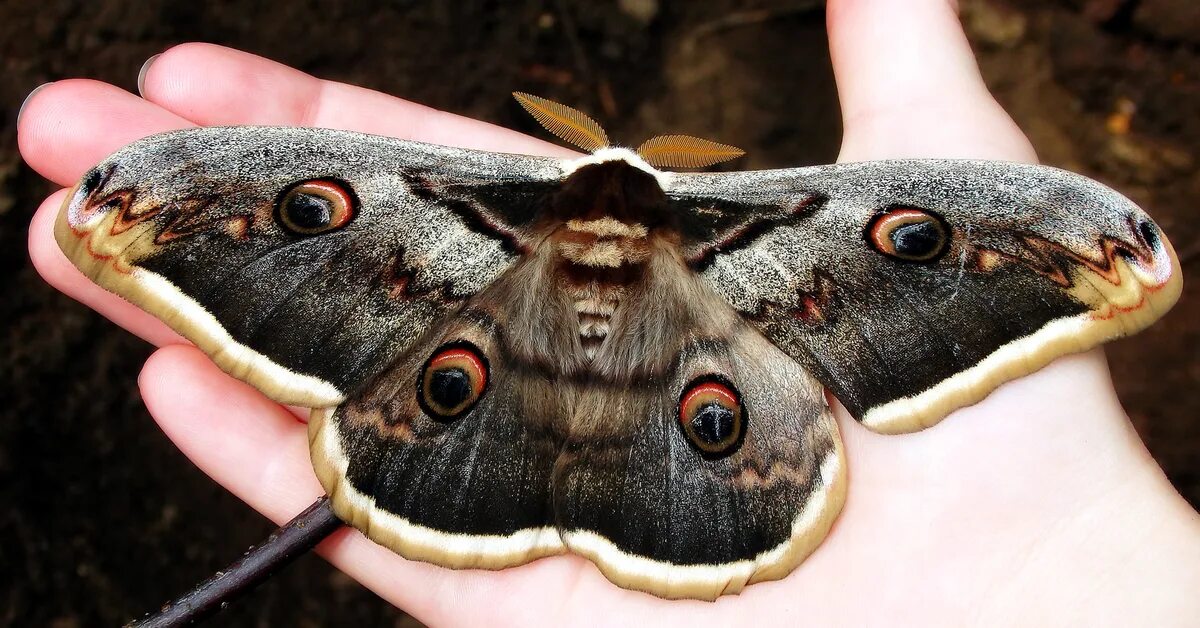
(479, 381)
(880, 230)
(882, 226)
(341, 199)
(714, 388)
(344, 200)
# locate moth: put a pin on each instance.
(511, 357)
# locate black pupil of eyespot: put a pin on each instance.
(309, 211)
(449, 387)
(713, 423)
(916, 239)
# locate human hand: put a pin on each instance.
(1036, 506)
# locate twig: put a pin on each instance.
(750, 17)
(283, 546)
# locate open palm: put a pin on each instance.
(1037, 506)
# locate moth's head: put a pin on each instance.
(664, 151)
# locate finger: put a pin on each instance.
(178, 383)
(69, 126)
(58, 271)
(909, 85)
(64, 129)
(208, 85)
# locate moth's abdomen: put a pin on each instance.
(610, 212)
(598, 260)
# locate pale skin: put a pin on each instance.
(1037, 506)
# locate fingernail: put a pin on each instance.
(28, 98)
(142, 73)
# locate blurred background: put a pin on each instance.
(103, 519)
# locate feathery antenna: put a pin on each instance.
(685, 151)
(569, 124)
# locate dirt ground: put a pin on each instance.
(103, 518)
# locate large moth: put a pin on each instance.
(511, 356)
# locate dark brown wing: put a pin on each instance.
(639, 490)
(470, 490)
(912, 288)
(189, 225)
(595, 452)
(655, 513)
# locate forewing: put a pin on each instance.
(186, 225)
(1039, 262)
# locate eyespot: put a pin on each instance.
(452, 381)
(712, 416)
(316, 206)
(909, 234)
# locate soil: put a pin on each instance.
(106, 519)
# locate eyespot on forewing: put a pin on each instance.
(316, 206)
(908, 234)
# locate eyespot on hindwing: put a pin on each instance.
(452, 381)
(712, 416)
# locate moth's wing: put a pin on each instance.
(465, 492)
(1040, 263)
(185, 225)
(634, 495)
